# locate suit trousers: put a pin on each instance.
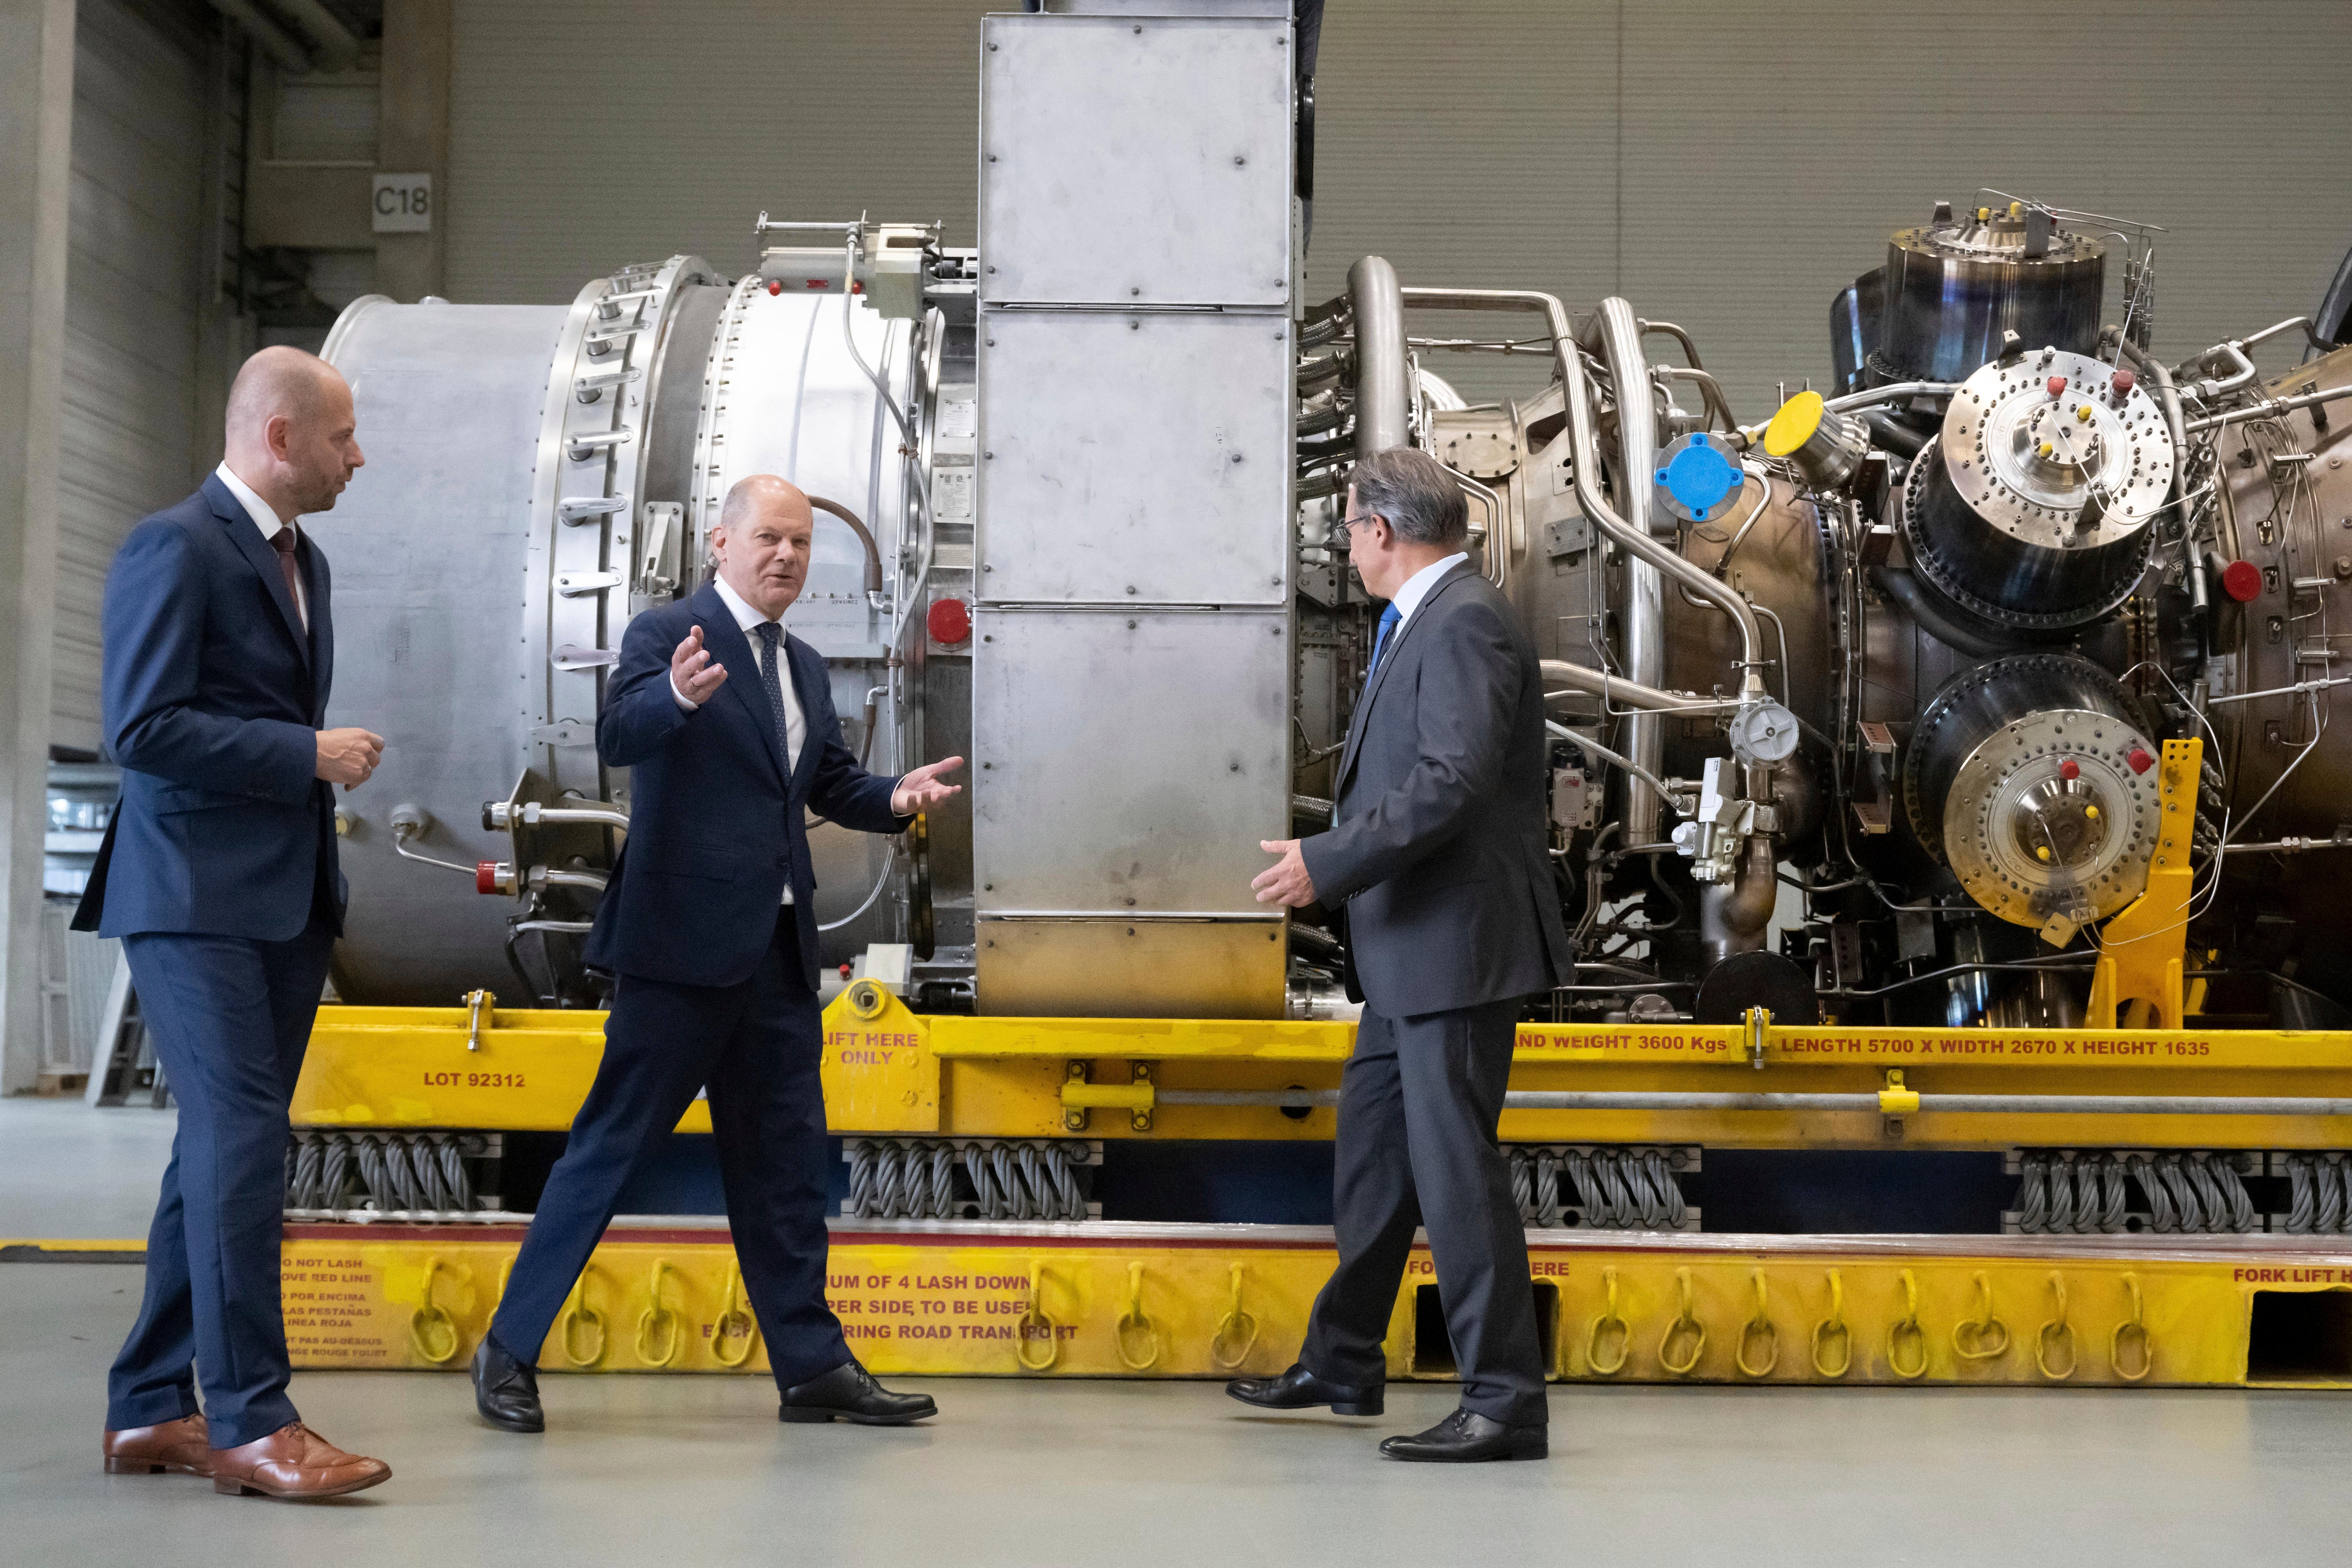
(230, 1018)
(1418, 1102)
(756, 1047)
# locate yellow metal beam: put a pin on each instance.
(888, 1070)
(1209, 1301)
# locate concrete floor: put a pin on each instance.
(642, 1470)
(66, 1171)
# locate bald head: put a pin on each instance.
(762, 494)
(761, 542)
(290, 432)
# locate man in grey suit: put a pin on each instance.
(1438, 855)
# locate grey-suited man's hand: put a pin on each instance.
(921, 790)
(348, 756)
(692, 672)
(1285, 882)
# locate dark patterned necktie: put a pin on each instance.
(284, 541)
(770, 634)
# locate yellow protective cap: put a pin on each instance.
(1794, 425)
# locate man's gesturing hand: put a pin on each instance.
(921, 790)
(1286, 881)
(347, 756)
(692, 672)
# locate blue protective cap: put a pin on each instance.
(1699, 475)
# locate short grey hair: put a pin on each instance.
(1416, 493)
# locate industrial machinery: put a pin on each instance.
(1942, 764)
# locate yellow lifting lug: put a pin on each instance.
(1754, 1026)
(1080, 1097)
(481, 1007)
(2140, 966)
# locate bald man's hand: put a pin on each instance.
(921, 790)
(348, 756)
(692, 672)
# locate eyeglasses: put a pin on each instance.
(1347, 525)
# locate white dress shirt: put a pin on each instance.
(796, 721)
(1417, 587)
(264, 518)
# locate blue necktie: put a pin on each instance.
(769, 633)
(1388, 619)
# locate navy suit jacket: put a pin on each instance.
(1438, 852)
(715, 828)
(212, 698)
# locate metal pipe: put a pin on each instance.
(2168, 394)
(1708, 388)
(337, 48)
(1889, 394)
(1635, 694)
(1947, 1104)
(1644, 616)
(2269, 407)
(1739, 535)
(1733, 916)
(864, 538)
(2242, 373)
(1586, 742)
(2267, 333)
(1690, 349)
(1585, 460)
(1382, 394)
(276, 42)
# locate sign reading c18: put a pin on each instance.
(403, 203)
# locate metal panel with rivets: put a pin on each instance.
(1132, 685)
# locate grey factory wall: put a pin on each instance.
(1726, 166)
(132, 433)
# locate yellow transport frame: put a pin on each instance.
(890, 1071)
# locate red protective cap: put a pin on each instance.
(949, 621)
(2242, 580)
(845, 971)
(775, 284)
(2070, 770)
(486, 876)
(2139, 760)
(2124, 381)
(2057, 385)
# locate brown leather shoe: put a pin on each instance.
(180, 1446)
(294, 1462)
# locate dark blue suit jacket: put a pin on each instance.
(212, 698)
(716, 824)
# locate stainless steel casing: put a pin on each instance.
(1132, 679)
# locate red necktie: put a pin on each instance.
(284, 540)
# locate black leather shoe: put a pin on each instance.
(1298, 1388)
(506, 1391)
(1466, 1437)
(850, 1392)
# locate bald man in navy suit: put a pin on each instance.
(218, 873)
(709, 928)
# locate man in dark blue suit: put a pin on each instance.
(709, 928)
(218, 873)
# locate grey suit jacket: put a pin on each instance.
(1438, 845)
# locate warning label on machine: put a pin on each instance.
(336, 1314)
